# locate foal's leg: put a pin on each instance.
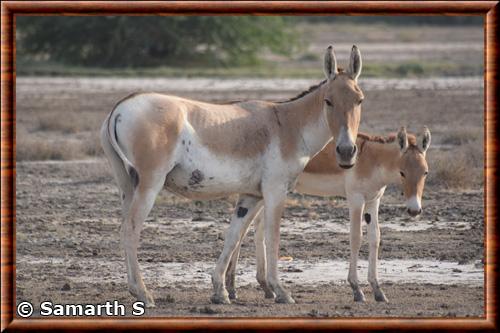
(356, 204)
(243, 214)
(274, 203)
(260, 253)
(140, 205)
(371, 218)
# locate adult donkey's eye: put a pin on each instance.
(402, 174)
(328, 102)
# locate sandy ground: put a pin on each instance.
(68, 214)
(68, 229)
(68, 251)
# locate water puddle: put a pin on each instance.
(302, 227)
(294, 271)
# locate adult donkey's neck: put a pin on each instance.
(303, 124)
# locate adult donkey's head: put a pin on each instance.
(342, 103)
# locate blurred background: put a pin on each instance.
(242, 45)
(417, 70)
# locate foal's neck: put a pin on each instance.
(385, 157)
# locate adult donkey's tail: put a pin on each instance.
(124, 171)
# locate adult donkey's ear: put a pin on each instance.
(424, 140)
(355, 63)
(402, 139)
(330, 64)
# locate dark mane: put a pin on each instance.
(310, 90)
(412, 141)
(377, 138)
(305, 92)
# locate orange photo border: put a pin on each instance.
(486, 9)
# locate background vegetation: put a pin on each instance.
(128, 41)
(204, 45)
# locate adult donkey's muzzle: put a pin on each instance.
(346, 155)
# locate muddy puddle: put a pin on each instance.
(198, 274)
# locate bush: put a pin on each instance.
(131, 41)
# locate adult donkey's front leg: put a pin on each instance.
(371, 218)
(356, 204)
(274, 203)
(260, 249)
(243, 214)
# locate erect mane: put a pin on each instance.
(305, 92)
(412, 140)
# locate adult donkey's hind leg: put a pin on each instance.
(141, 203)
(243, 214)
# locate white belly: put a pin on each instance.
(200, 174)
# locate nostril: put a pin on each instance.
(420, 211)
(338, 150)
(354, 149)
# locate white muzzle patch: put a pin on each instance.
(414, 206)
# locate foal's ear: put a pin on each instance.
(424, 140)
(402, 139)
(330, 67)
(355, 63)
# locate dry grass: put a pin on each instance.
(69, 122)
(462, 136)
(29, 149)
(458, 168)
(92, 146)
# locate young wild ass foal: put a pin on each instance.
(381, 161)
(206, 151)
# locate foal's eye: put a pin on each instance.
(402, 174)
(360, 101)
(328, 102)
(426, 173)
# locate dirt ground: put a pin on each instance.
(68, 237)
(68, 211)
(68, 249)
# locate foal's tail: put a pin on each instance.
(125, 171)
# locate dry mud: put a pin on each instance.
(68, 218)
(68, 251)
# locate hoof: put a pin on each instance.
(380, 297)
(268, 294)
(359, 296)
(146, 297)
(218, 299)
(232, 294)
(150, 304)
(284, 299)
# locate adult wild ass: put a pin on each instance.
(205, 151)
(381, 161)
